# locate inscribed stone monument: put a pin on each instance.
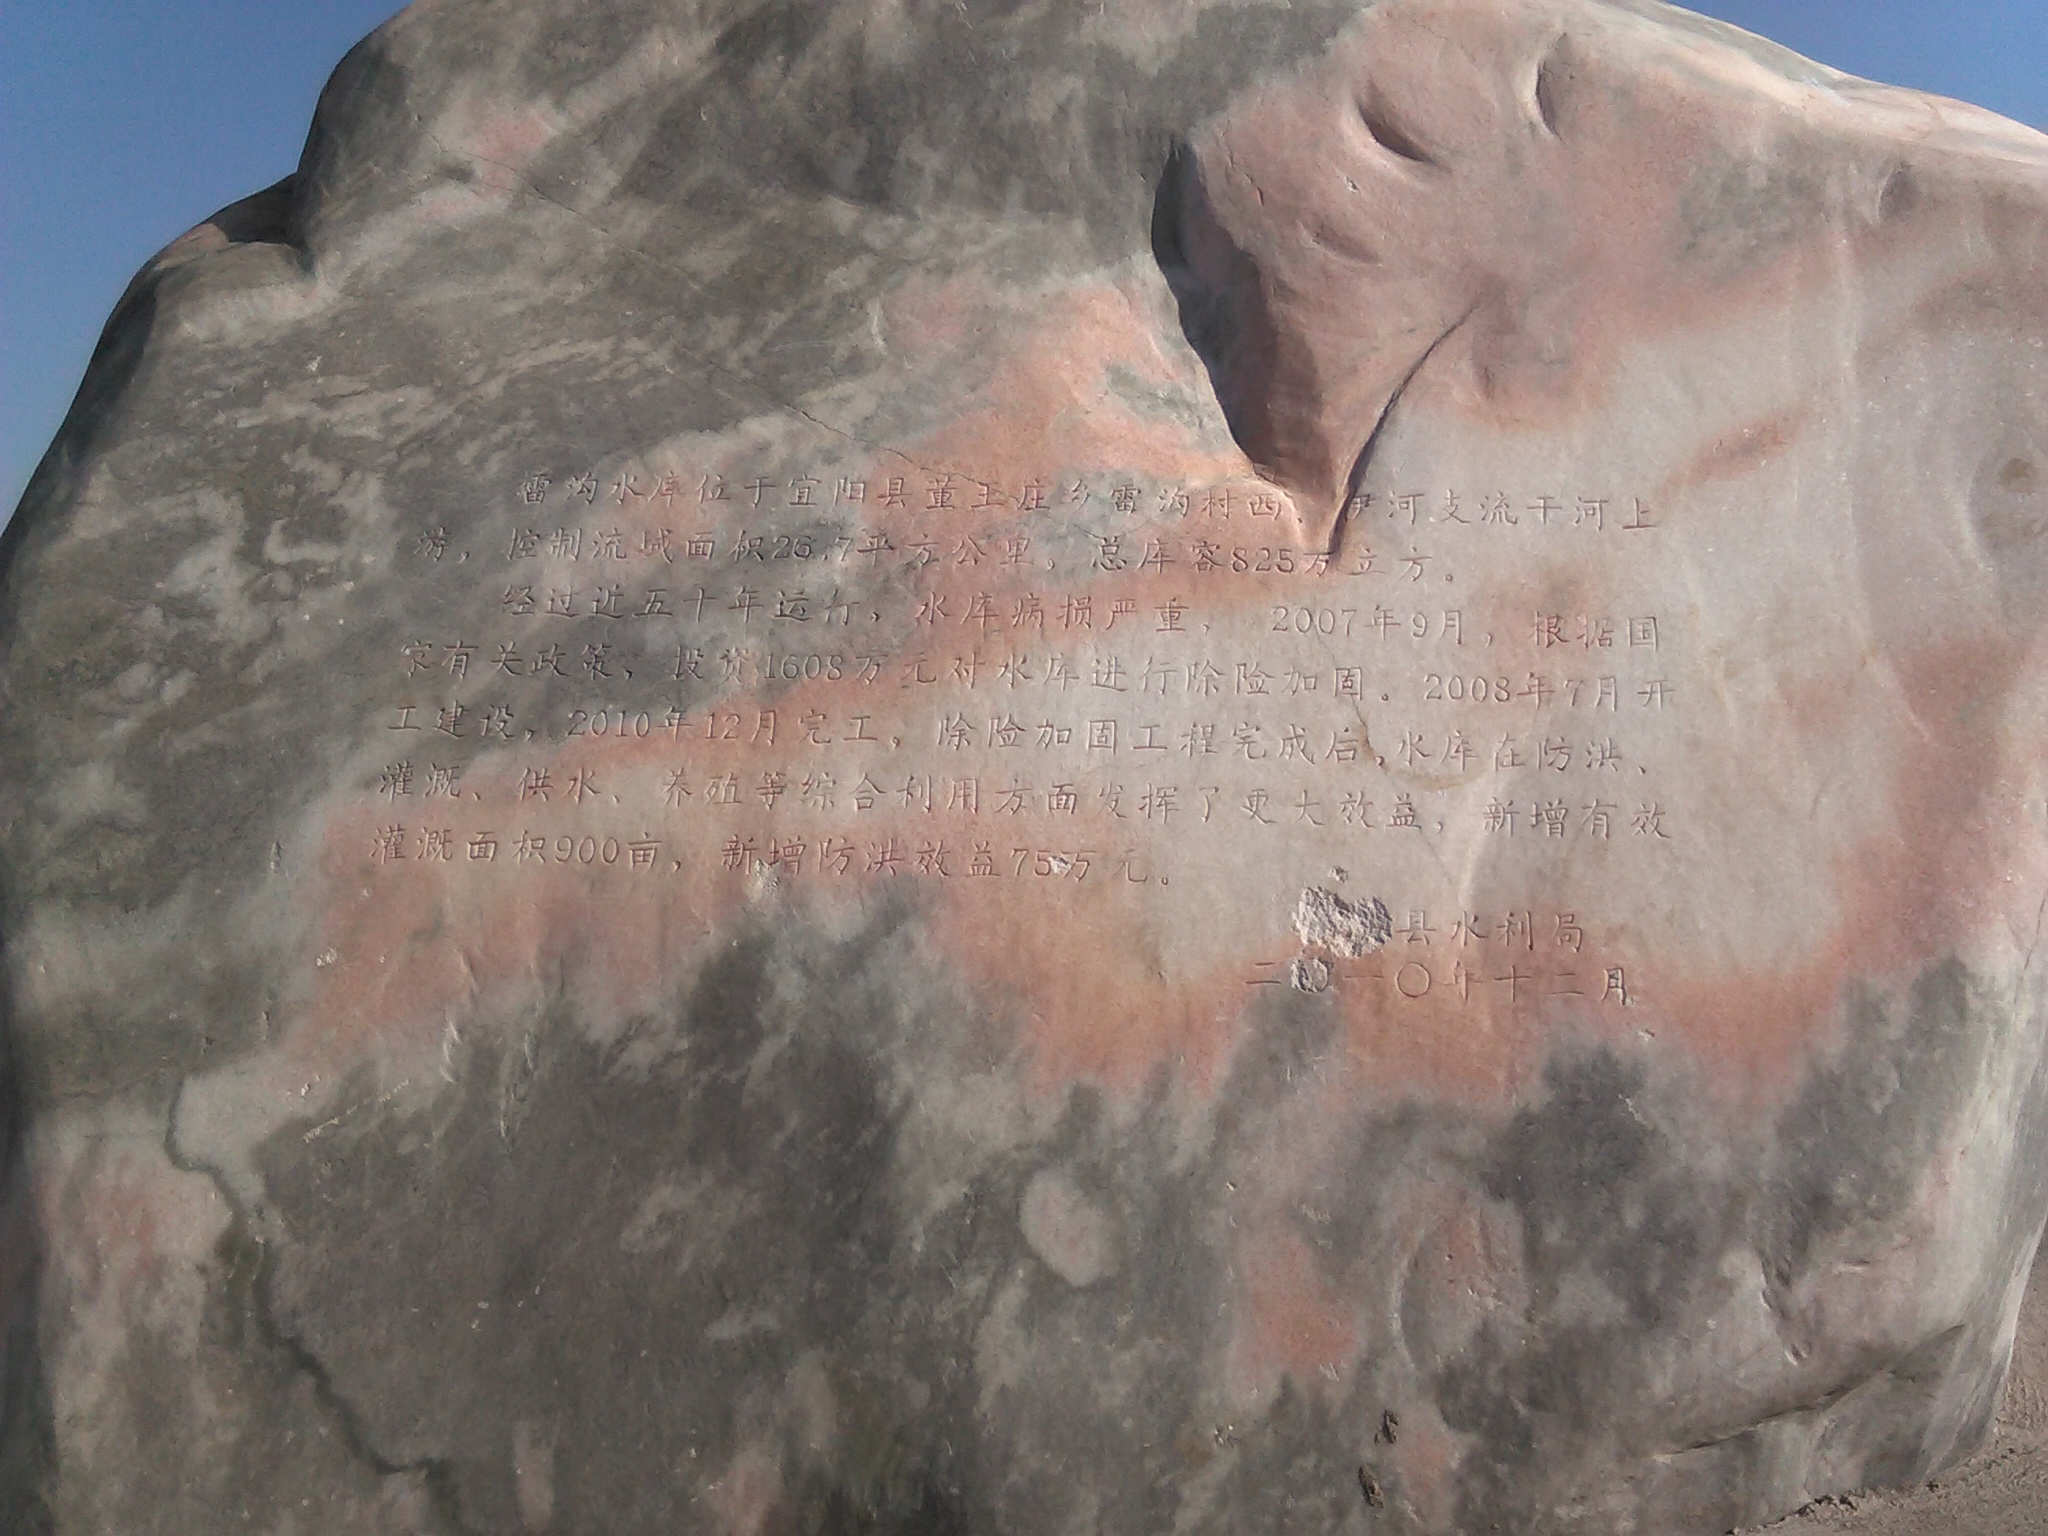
(1038, 768)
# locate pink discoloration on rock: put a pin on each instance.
(748, 1495)
(1425, 1453)
(507, 142)
(1290, 1320)
(1465, 1274)
(1049, 393)
(1549, 221)
(130, 1237)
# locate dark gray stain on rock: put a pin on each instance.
(28, 1440)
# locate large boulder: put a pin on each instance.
(1038, 768)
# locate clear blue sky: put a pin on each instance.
(125, 122)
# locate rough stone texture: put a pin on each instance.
(2002, 1491)
(1573, 1067)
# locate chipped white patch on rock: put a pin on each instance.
(1067, 1230)
(1326, 920)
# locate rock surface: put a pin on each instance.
(2001, 1491)
(924, 768)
